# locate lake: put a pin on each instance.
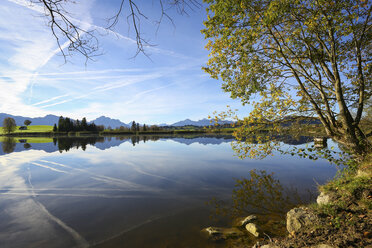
(127, 191)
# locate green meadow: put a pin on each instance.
(33, 129)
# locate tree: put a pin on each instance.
(293, 57)
(27, 122)
(55, 128)
(133, 127)
(61, 124)
(9, 125)
(84, 124)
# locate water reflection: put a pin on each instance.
(260, 193)
(114, 194)
(8, 145)
(65, 144)
(264, 196)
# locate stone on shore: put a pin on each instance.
(253, 229)
(219, 233)
(241, 222)
(322, 246)
(298, 218)
(323, 199)
(269, 246)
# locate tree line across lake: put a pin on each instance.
(69, 125)
(66, 124)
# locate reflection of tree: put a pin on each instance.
(260, 146)
(66, 143)
(26, 146)
(8, 145)
(260, 193)
(134, 140)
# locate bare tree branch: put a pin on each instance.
(69, 34)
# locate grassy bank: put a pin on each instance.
(345, 219)
(31, 129)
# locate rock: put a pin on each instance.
(257, 245)
(299, 218)
(252, 228)
(363, 173)
(322, 246)
(270, 246)
(218, 233)
(323, 199)
(245, 220)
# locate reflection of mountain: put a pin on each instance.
(109, 142)
(290, 140)
(66, 143)
(204, 140)
(199, 123)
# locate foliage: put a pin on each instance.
(366, 121)
(9, 125)
(133, 128)
(294, 57)
(68, 125)
(27, 122)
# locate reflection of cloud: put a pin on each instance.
(105, 179)
(49, 167)
(29, 218)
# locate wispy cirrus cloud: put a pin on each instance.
(50, 99)
(32, 47)
(34, 80)
(101, 88)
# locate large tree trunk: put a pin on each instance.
(353, 140)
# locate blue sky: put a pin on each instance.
(168, 87)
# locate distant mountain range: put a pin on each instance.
(103, 120)
(107, 121)
(200, 123)
(46, 120)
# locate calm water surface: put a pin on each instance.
(126, 192)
